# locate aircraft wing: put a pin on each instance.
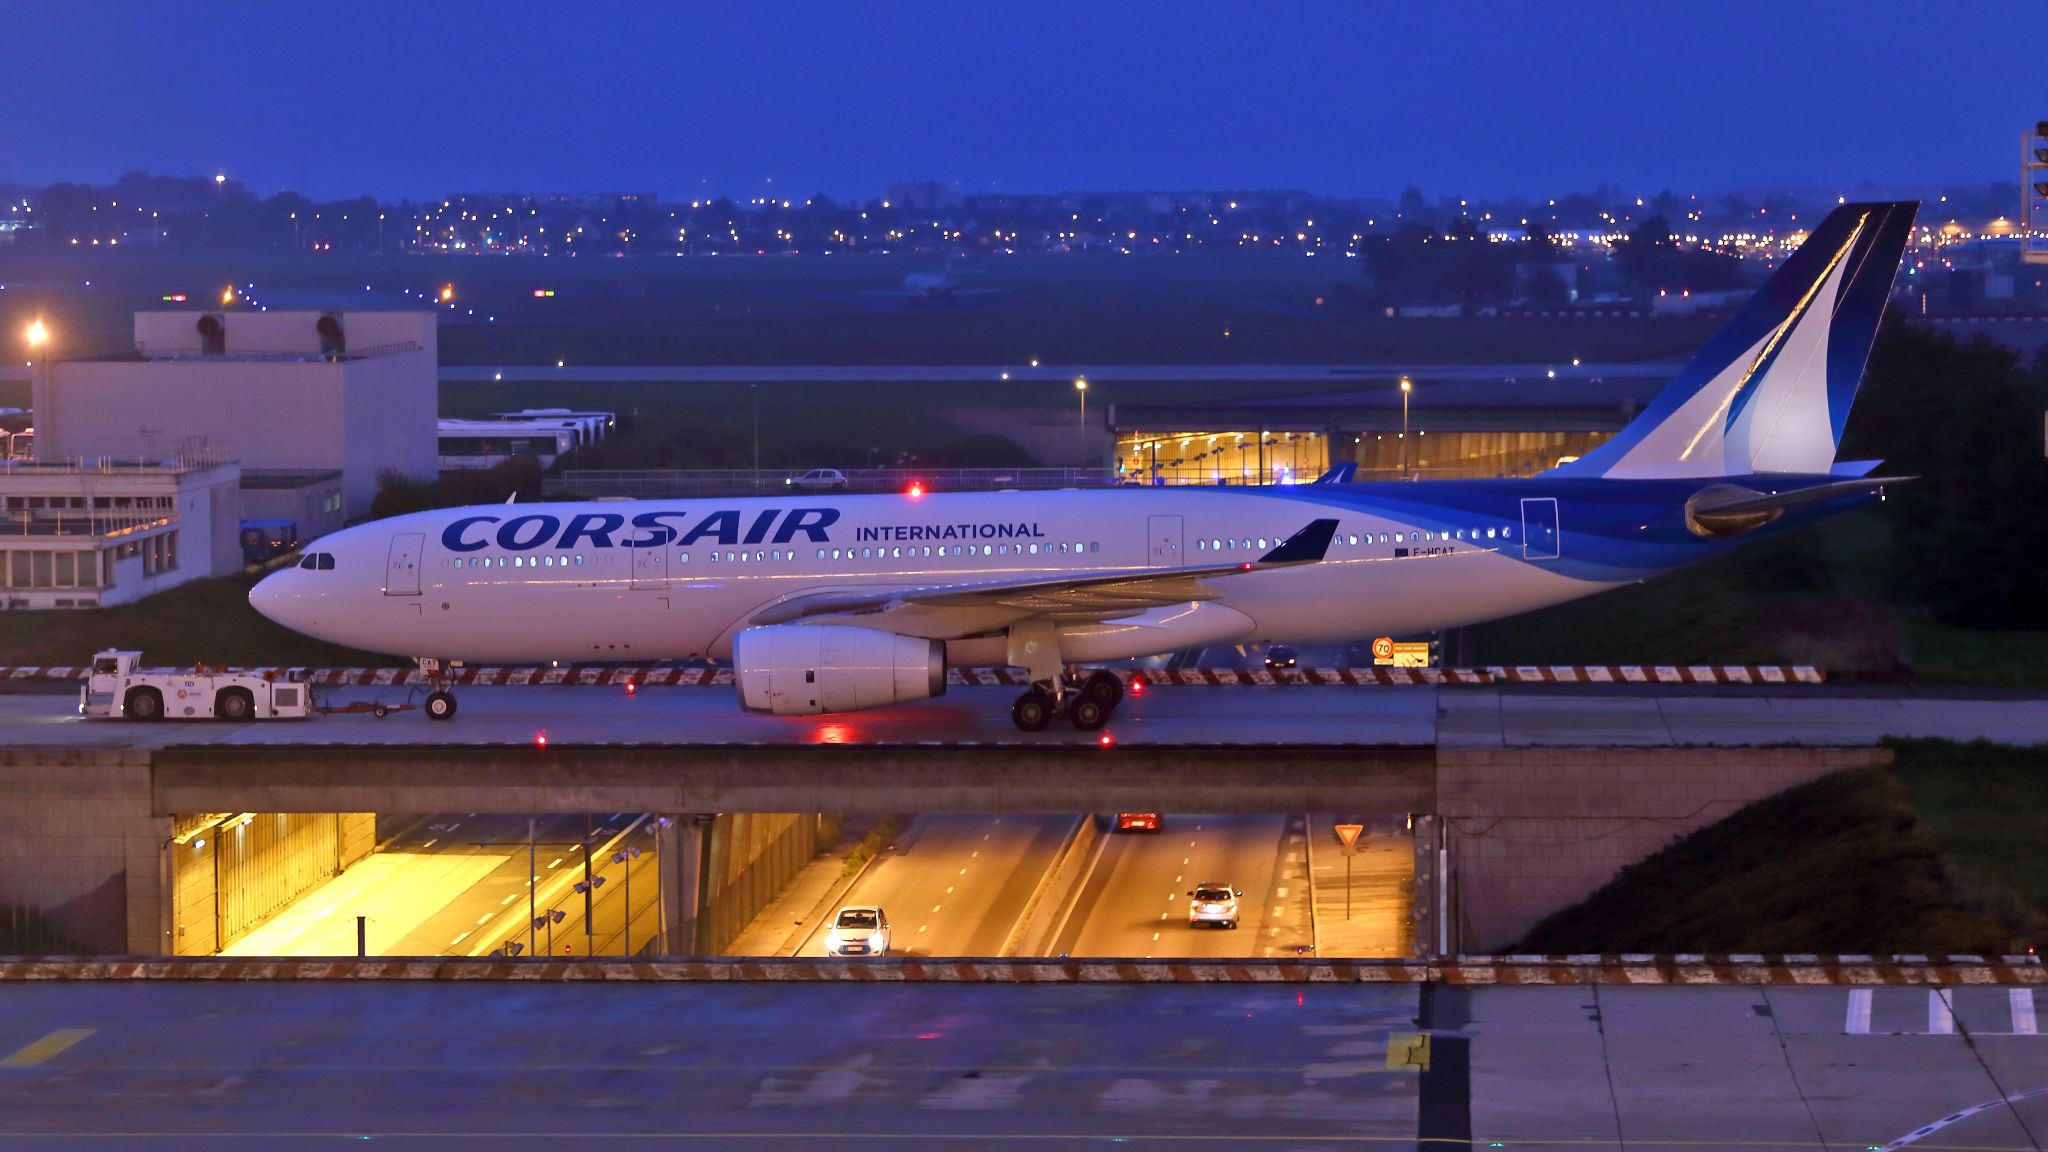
(1102, 595)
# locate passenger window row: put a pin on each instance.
(1359, 539)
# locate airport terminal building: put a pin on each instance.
(299, 392)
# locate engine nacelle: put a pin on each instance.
(799, 670)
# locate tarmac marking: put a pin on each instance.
(555, 863)
(1155, 935)
(484, 919)
(461, 938)
(43, 1050)
(1941, 1013)
(508, 900)
(431, 843)
(2022, 1000)
(949, 889)
(1858, 1021)
(1408, 1052)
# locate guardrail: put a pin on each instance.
(1462, 971)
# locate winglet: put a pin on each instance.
(1304, 547)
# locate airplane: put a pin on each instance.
(830, 603)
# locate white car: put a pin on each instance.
(818, 480)
(1212, 903)
(858, 930)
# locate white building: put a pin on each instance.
(353, 392)
(115, 531)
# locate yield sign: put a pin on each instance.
(1347, 835)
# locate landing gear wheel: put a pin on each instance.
(440, 705)
(1033, 711)
(1087, 713)
(1105, 687)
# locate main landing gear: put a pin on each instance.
(1086, 701)
(440, 702)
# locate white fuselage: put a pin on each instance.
(656, 580)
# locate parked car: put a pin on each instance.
(818, 480)
(1280, 656)
(1212, 902)
(858, 930)
(1137, 821)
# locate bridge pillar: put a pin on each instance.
(683, 843)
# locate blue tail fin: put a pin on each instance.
(1771, 391)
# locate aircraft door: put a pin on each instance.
(1540, 532)
(650, 568)
(1163, 536)
(402, 573)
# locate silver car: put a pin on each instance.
(858, 930)
(818, 480)
(1212, 903)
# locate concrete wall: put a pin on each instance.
(78, 843)
(753, 855)
(1534, 830)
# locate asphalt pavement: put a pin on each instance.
(1468, 717)
(224, 1066)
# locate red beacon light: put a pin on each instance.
(631, 688)
(1106, 740)
(916, 490)
(540, 738)
(1137, 686)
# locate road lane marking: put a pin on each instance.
(1162, 915)
(949, 889)
(973, 854)
(1155, 935)
(963, 871)
(935, 907)
(555, 863)
(431, 843)
(461, 938)
(508, 900)
(49, 1046)
(1184, 860)
(2022, 1001)
(484, 919)
(921, 928)
(1280, 893)
(1177, 879)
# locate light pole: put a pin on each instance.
(1081, 429)
(1407, 386)
(626, 857)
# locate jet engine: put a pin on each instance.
(801, 670)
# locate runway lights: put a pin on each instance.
(916, 490)
(1106, 740)
(632, 689)
(540, 738)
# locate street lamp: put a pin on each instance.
(1081, 386)
(38, 334)
(1407, 386)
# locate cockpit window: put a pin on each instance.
(318, 561)
(310, 560)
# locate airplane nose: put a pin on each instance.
(270, 596)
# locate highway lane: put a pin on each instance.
(1134, 901)
(954, 885)
(1490, 717)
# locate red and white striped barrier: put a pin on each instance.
(1186, 677)
(1476, 971)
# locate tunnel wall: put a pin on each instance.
(79, 852)
(1535, 830)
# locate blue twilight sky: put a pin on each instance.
(419, 99)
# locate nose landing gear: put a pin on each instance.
(440, 702)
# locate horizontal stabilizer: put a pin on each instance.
(1719, 511)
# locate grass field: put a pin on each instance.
(1943, 853)
(1817, 595)
(205, 620)
(832, 309)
